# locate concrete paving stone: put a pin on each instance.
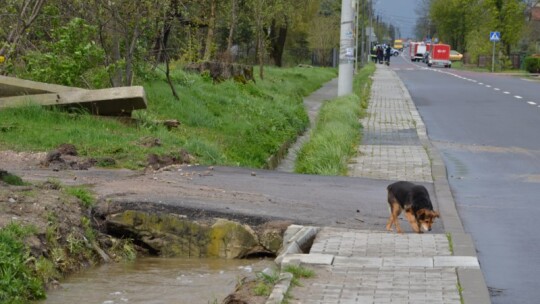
(456, 261)
(323, 259)
(358, 262)
(407, 262)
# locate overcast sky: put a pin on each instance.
(400, 13)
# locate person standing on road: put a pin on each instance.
(387, 55)
(380, 54)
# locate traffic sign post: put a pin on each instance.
(494, 37)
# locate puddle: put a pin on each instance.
(156, 281)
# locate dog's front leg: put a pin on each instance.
(412, 220)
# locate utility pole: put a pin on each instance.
(356, 21)
(346, 49)
(363, 36)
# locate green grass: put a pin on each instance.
(83, 194)
(265, 283)
(18, 282)
(226, 123)
(298, 273)
(338, 132)
(450, 242)
(459, 65)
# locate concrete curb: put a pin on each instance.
(472, 282)
(280, 289)
(295, 239)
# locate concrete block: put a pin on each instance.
(290, 232)
(280, 289)
(11, 86)
(474, 288)
(317, 259)
(358, 262)
(305, 237)
(456, 261)
(463, 244)
(408, 262)
(107, 102)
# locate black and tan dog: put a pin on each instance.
(414, 199)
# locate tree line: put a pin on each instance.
(100, 43)
(466, 24)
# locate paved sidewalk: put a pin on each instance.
(355, 266)
(366, 266)
(391, 148)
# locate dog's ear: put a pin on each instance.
(436, 214)
(420, 212)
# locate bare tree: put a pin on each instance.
(27, 12)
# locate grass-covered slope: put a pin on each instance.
(225, 123)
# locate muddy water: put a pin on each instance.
(156, 281)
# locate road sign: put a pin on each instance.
(495, 36)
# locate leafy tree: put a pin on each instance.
(511, 15)
(451, 18)
(71, 52)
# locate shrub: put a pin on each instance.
(68, 57)
(532, 64)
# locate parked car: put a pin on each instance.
(395, 52)
(455, 55)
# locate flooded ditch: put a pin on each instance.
(194, 260)
(156, 281)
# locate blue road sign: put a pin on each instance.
(495, 36)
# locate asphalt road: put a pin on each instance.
(238, 193)
(487, 130)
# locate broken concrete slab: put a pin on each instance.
(11, 86)
(108, 102)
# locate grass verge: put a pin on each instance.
(18, 283)
(225, 123)
(337, 132)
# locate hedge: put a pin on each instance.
(532, 64)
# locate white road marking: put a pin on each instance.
(531, 103)
(497, 89)
(506, 92)
(488, 86)
(518, 97)
(480, 83)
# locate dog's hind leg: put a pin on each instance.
(395, 210)
(390, 221)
